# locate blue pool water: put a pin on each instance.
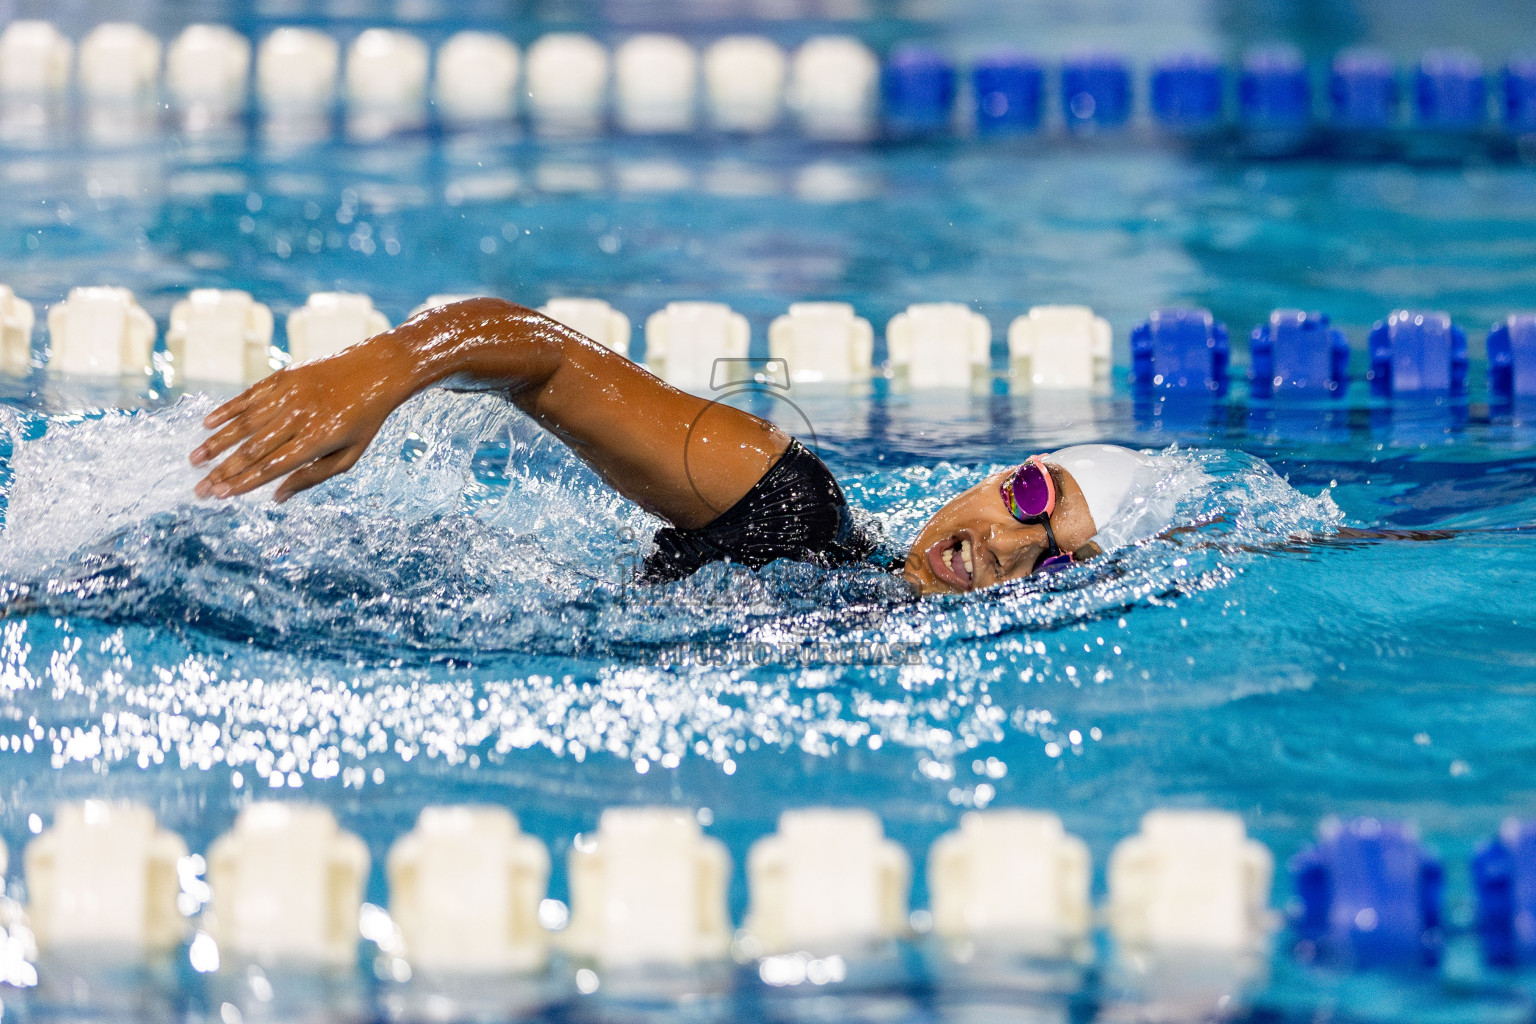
(453, 621)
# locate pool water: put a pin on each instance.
(454, 621)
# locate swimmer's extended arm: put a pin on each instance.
(1344, 536)
(315, 419)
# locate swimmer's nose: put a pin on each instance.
(1013, 549)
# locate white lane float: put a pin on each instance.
(697, 346)
(119, 62)
(206, 69)
(1060, 348)
(16, 321)
(104, 877)
(100, 331)
(827, 882)
(744, 83)
(648, 889)
(464, 889)
(386, 81)
(593, 318)
(1191, 880)
(939, 345)
(220, 335)
(35, 60)
(296, 71)
(567, 82)
(655, 84)
(833, 85)
(331, 321)
(1015, 879)
(823, 342)
(476, 78)
(287, 886)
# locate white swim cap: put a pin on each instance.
(1104, 473)
(1131, 496)
(1110, 477)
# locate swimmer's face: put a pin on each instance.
(977, 524)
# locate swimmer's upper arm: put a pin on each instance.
(685, 458)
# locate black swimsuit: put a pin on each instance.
(795, 511)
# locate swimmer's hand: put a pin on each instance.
(309, 421)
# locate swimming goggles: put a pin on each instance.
(1030, 496)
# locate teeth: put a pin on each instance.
(949, 558)
(965, 556)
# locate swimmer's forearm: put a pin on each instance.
(682, 457)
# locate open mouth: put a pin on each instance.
(953, 562)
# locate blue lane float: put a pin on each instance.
(1504, 881)
(1297, 353)
(1417, 352)
(1519, 95)
(1009, 87)
(1180, 350)
(1512, 357)
(1095, 92)
(918, 88)
(1186, 92)
(1449, 91)
(1369, 894)
(1362, 90)
(1274, 91)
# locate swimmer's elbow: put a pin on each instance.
(476, 308)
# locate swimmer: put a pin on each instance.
(731, 485)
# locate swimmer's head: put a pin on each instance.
(981, 538)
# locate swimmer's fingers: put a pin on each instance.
(229, 410)
(257, 452)
(291, 455)
(305, 477)
(245, 414)
(241, 402)
(232, 433)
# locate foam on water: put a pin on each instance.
(465, 592)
